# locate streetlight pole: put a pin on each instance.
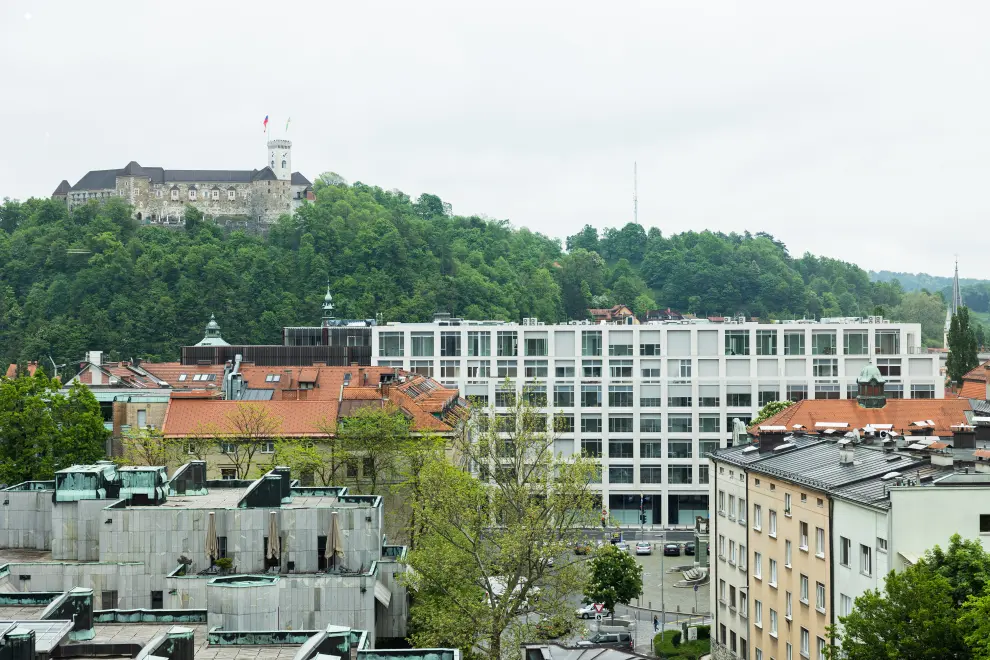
(663, 609)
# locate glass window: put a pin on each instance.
(563, 396)
(506, 368)
(827, 390)
(865, 560)
(804, 642)
(535, 395)
(684, 369)
(856, 342)
(591, 424)
(845, 550)
(679, 423)
(787, 554)
(620, 475)
(450, 344)
(391, 344)
(591, 396)
(620, 448)
(479, 369)
(679, 449)
(794, 343)
(705, 447)
(757, 517)
(773, 572)
(819, 542)
(888, 342)
(894, 390)
(773, 622)
(803, 530)
(739, 399)
(422, 367)
(820, 596)
(422, 344)
(737, 342)
(922, 391)
(650, 423)
(678, 474)
(507, 342)
(709, 423)
(591, 368)
(651, 474)
(651, 371)
(804, 589)
(450, 369)
(823, 343)
(758, 613)
(773, 522)
(620, 396)
(536, 368)
(479, 344)
(788, 605)
(620, 350)
(505, 398)
(563, 423)
(536, 345)
(620, 424)
(845, 605)
(650, 449)
(620, 368)
(679, 396)
(592, 447)
(766, 342)
(767, 395)
(649, 349)
(825, 367)
(708, 396)
(564, 370)
(702, 474)
(797, 392)
(591, 342)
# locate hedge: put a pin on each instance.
(667, 644)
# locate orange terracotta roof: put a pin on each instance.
(973, 389)
(898, 412)
(291, 419)
(366, 393)
(938, 445)
(982, 453)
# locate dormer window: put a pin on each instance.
(182, 377)
(175, 195)
(158, 193)
(231, 194)
(192, 195)
(216, 194)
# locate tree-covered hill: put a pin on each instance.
(95, 279)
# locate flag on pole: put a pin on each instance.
(287, 124)
(266, 123)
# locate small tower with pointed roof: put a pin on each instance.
(328, 308)
(871, 388)
(212, 337)
(957, 302)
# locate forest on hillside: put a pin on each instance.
(96, 279)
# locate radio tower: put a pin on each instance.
(635, 195)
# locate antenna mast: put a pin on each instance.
(635, 195)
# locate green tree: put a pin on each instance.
(44, 429)
(962, 347)
(614, 577)
(149, 446)
(496, 544)
(248, 430)
(926, 309)
(378, 438)
(769, 410)
(917, 615)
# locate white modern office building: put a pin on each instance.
(651, 400)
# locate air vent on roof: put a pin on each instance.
(889, 476)
(785, 447)
(927, 477)
(831, 425)
(750, 449)
(893, 459)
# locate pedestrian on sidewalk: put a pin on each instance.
(656, 624)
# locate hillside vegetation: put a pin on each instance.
(96, 279)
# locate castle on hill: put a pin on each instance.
(159, 195)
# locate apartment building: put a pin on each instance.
(821, 488)
(651, 400)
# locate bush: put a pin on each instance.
(667, 644)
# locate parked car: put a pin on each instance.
(644, 548)
(589, 612)
(621, 640)
(622, 545)
(672, 550)
(689, 548)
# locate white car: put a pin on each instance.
(589, 612)
(622, 545)
(644, 548)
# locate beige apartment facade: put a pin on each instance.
(789, 568)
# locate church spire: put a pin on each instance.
(956, 293)
(327, 307)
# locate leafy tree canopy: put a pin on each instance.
(962, 346)
(769, 410)
(613, 577)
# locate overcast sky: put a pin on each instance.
(856, 130)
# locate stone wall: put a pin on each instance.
(77, 528)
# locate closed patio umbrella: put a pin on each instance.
(335, 542)
(212, 545)
(274, 544)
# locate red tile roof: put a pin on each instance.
(291, 419)
(898, 412)
(974, 382)
(982, 453)
(12, 369)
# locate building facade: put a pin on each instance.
(159, 195)
(651, 400)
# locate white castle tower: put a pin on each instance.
(280, 158)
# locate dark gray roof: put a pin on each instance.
(874, 491)
(62, 189)
(299, 180)
(739, 455)
(818, 465)
(107, 179)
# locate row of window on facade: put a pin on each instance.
(193, 194)
(679, 396)
(591, 424)
(677, 475)
(737, 342)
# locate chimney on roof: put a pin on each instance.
(963, 437)
(847, 451)
(770, 440)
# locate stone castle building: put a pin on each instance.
(161, 196)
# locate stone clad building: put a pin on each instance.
(159, 195)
